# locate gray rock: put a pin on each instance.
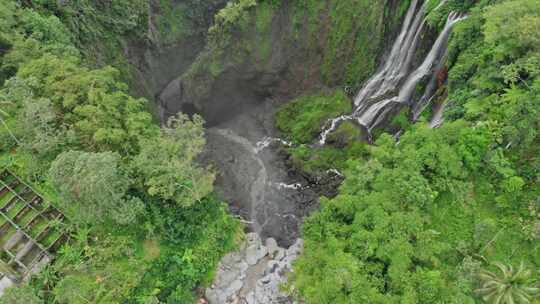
(261, 252)
(254, 253)
(215, 296)
(235, 287)
(279, 254)
(242, 278)
(227, 277)
(243, 266)
(232, 258)
(272, 246)
(296, 248)
(271, 266)
(250, 298)
(253, 239)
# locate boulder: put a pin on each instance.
(272, 246)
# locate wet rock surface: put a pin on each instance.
(254, 274)
(255, 178)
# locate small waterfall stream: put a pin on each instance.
(393, 86)
(267, 141)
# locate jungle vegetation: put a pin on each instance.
(448, 215)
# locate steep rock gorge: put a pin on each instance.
(257, 56)
(280, 50)
(413, 214)
(175, 35)
(236, 64)
(253, 58)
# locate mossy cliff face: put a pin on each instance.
(175, 35)
(278, 49)
(224, 54)
(149, 41)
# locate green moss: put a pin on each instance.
(215, 68)
(265, 12)
(302, 118)
(316, 161)
(347, 34)
(355, 38)
(401, 120)
(173, 23)
(306, 18)
(329, 42)
(263, 26)
(346, 133)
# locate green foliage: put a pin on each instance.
(347, 36)
(166, 165)
(100, 29)
(110, 165)
(231, 17)
(318, 161)
(18, 295)
(178, 22)
(346, 133)
(511, 27)
(173, 22)
(104, 270)
(94, 188)
(356, 33)
(495, 79)
(90, 21)
(438, 10)
(303, 118)
(65, 104)
(401, 120)
(195, 240)
(379, 219)
(413, 222)
(509, 285)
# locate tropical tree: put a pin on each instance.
(508, 286)
(166, 165)
(3, 115)
(94, 187)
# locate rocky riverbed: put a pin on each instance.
(254, 178)
(254, 274)
(268, 196)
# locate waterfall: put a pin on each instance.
(393, 86)
(398, 63)
(437, 119)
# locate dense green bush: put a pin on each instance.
(195, 239)
(134, 194)
(415, 222)
(94, 188)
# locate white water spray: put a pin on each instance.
(267, 141)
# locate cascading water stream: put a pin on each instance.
(267, 141)
(394, 85)
(438, 118)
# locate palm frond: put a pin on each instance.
(509, 285)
